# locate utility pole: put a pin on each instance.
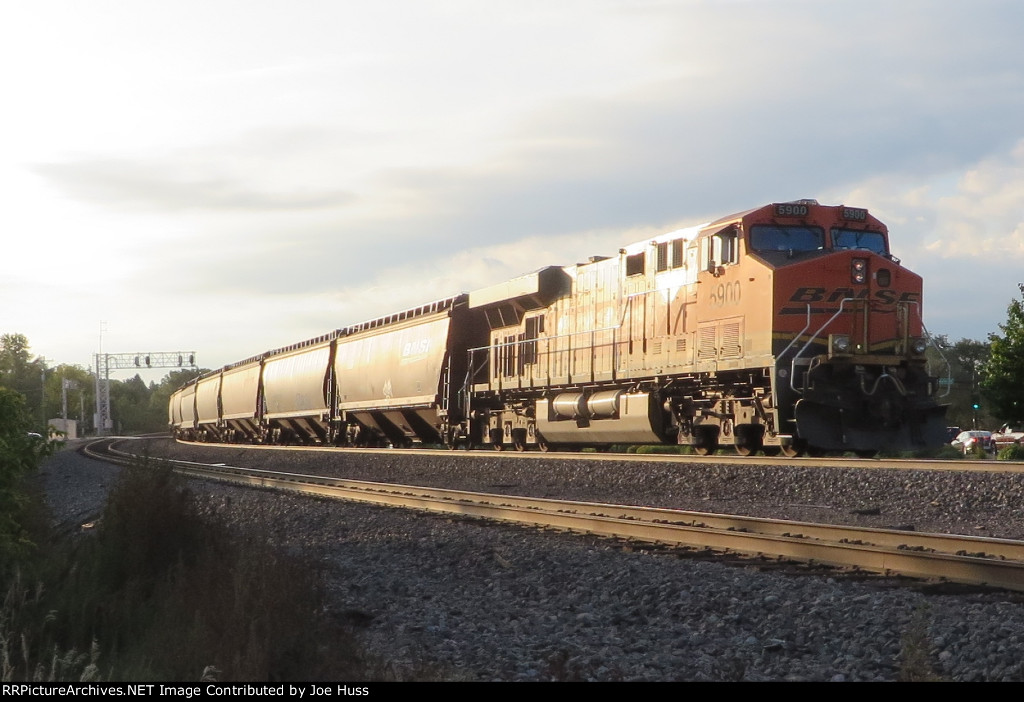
(42, 396)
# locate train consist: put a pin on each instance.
(786, 328)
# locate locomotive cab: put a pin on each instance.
(849, 339)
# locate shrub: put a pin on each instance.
(170, 594)
(661, 448)
(20, 454)
(1013, 452)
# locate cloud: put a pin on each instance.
(170, 186)
(292, 173)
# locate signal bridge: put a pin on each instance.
(106, 362)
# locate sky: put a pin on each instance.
(231, 176)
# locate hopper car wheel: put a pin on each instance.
(544, 446)
(772, 450)
(498, 446)
(866, 453)
(520, 446)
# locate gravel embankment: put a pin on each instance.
(482, 602)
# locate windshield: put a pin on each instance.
(774, 238)
(855, 239)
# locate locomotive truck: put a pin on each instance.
(786, 328)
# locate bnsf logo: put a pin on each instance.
(415, 348)
(886, 297)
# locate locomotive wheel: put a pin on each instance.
(792, 450)
(497, 439)
(748, 440)
(519, 439)
(706, 441)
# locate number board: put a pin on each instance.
(791, 209)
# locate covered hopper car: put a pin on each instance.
(785, 328)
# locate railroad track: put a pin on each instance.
(953, 558)
(944, 464)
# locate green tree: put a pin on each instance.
(23, 375)
(129, 406)
(966, 359)
(20, 453)
(1004, 371)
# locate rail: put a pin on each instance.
(954, 558)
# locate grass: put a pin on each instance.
(163, 593)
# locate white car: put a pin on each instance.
(966, 441)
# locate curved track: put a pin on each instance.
(963, 559)
(970, 465)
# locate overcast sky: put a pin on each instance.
(231, 176)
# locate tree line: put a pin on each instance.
(986, 377)
(51, 392)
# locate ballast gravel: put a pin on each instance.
(458, 599)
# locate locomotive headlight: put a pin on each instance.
(859, 271)
(918, 346)
(838, 345)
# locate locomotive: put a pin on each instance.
(784, 329)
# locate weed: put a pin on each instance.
(915, 650)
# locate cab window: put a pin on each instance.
(720, 249)
(858, 239)
(767, 237)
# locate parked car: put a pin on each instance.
(969, 441)
(951, 433)
(1007, 436)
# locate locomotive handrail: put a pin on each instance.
(613, 344)
(797, 337)
(792, 366)
(931, 340)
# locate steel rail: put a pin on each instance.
(966, 559)
(943, 464)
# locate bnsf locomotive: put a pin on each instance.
(786, 328)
